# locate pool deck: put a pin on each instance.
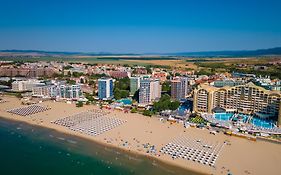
(246, 126)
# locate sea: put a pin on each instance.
(31, 150)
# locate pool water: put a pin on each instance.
(125, 101)
(262, 123)
(244, 117)
(184, 107)
(181, 110)
(223, 116)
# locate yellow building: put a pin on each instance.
(247, 99)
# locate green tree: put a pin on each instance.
(89, 97)
(7, 83)
(97, 76)
(165, 103)
(122, 83)
(117, 94)
(77, 74)
(79, 104)
(18, 95)
(136, 95)
(68, 81)
(134, 110)
(121, 88)
(124, 93)
(174, 105)
(91, 82)
(148, 69)
(147, 113)
(67, 67)
(166, 87)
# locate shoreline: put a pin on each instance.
(92, 139)
(109, 146)
(150, 130)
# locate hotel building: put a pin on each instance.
(134, 85)
(179, 88)
(70, 91)
(58, 91)
(105, 88)
(150, 90)
(27, 72)
(27, 85)
(42, 91)
(247, 99)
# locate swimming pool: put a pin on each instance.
(125, 101)
(223, 116)
(242, 117)
(263, 123)
(181, 110)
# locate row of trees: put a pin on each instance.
(165, 103)
(212, 68)
(7, 83)
(121, 88)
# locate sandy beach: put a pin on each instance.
(241, 156)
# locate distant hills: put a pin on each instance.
(40, 52)
(237, 53)
(53, 53)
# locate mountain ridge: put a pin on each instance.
(224, 53)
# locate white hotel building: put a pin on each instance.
(58, 91)
(150, 90)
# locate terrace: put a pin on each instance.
(252, 124)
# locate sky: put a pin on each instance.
(139, 26)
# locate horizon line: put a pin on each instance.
(124, 53)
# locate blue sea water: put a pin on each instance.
(30, 150)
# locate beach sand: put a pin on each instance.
(241, 157)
